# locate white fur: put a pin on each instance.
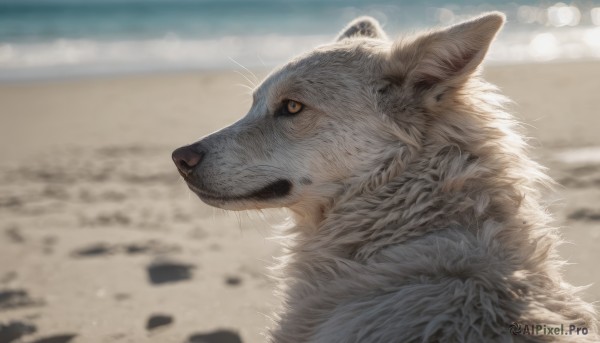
(418, 214)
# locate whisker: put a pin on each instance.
(260, 59)
(246, 78)
(246, 69)
(250, 89)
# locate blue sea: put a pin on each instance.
(64, 38)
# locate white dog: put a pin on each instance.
(417, 211)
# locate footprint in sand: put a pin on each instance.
(14, 330)
(220, 336)
(64, 338)
(150, 247)
(585, 214)
(158, 321)
(166, 272)
(97, 249)
(12, 299)
(233, 280)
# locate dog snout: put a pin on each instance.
(188, 157)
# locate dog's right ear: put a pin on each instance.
(447, 57)
(367, 27)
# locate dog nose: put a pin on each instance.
(188, 157)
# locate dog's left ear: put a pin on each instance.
(362, 27)
(445, 57)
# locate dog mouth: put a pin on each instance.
(276, 189)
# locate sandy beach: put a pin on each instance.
(100, 240)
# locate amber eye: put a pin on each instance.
(293, 107)
(289, 108)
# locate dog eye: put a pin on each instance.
(290, 107)
(293, 107)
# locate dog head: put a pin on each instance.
(335, 114)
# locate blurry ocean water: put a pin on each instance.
(64, 38)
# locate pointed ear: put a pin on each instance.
(447, 56)
(362, 27)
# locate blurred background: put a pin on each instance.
(100, 240)
(49, 38)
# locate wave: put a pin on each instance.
(67, 57)
(72, 57)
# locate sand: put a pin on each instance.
(100, 240)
